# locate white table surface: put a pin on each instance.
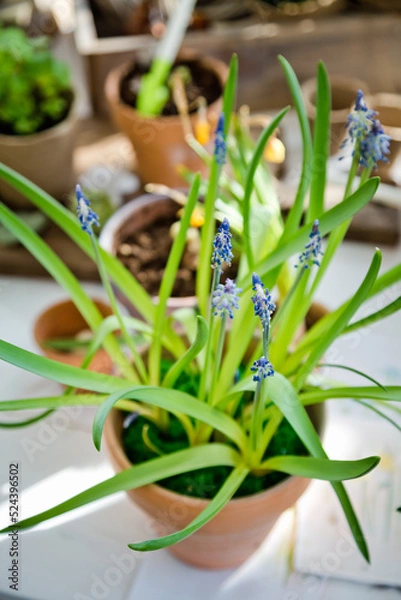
(84, 555)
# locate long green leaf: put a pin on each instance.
(69, 224)
(249, 184)
(321, 468)
(223, 496)
(230, 90)
(282, 393)
(378, 412)
(182, 363)
(168, 281)
(331, 219)
(60, 273)
(321, 144)
(352, 370)
(341, 322)
(392, 393)
(183, 461)
(295, 215)
(383, 313)
(171, 400)
(13, 425)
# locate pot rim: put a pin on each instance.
(56, 305)
(113, 440)
(113, 80)
(35, 138)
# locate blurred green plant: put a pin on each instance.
(35, 88)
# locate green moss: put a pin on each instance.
(202, 483)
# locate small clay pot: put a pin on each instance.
(64, 320)
(233, 534)
(159, 142)
(389, 108)
(134, 216)
(44, 158)
(343, 96)
(298, 10)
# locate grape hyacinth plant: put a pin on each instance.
(207, 397)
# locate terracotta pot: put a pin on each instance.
(159, 142)
(64, 320)
(134, 216)
(302, 10)
(45, 158)
(343, 92)
(234, 533)
(389, 108)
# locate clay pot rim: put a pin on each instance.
(113, 80)
(113, 441)
(126, 212)
(40, 136)
(387, 100)
(56, 305)
(338, 115)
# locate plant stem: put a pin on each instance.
(217, 358)
(257, 419)
(205, 371)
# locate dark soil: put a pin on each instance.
(203, 82)
(202, 483)
(145, 254)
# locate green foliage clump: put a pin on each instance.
(35, 88)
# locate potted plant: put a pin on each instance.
(156, 105)
(37, 120)
(216, 412)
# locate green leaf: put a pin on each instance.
(321, 468)
(197, 345)
(383, 313)
(295, 215)
(69, 224)
(378, 412)
(171, 400)
(249, 184)
(230, 92)
(60, 273)
(340, 323)
(174, 401)
(222, 497)
(321, 144)
(352, 370)
(190, 459)
(281, 392)
(27, 421)
(392, 393)
(168, 281)
(331, 219)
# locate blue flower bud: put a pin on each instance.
(220, 145)
(87, 217)
(263, 303)
(226, 299)
(222, 246)
(262, 369)
(312, 250)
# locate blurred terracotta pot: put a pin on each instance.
(159, 142)
(63, 320)
(233, 534)
(343, 96)
(45, 158)
(379, 5)
(389, 108)
(298, 10)
(135, 216)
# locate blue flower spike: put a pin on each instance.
(313, 249)
(374, 147)
(226, 299)
(263, 304)
(87, 217)
(220, 144)
(360, 121)
(262, 369)
(222, 252)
